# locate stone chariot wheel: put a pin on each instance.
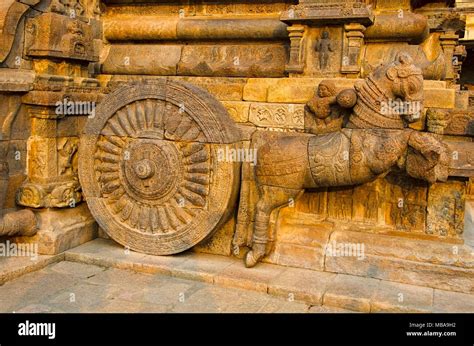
(149, 166)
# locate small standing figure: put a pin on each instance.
(324, 47)
(322, 112)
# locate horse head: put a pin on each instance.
(390, 96)
(406, 84)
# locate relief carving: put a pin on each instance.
(277, 115)
(374, 141)
(324, 47)
(150, 167)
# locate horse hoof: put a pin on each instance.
(250, 261)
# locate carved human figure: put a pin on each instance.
(324, 47)
(322, 112)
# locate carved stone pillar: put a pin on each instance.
(296, 63)
(449, 40)
(52, 168)
(354, 34)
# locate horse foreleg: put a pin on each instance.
(271, 197)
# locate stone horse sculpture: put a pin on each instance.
(374, 140)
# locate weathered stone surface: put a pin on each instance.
(351, 293)
(328, 310)
(14, 267)
(145, 28)
(415, 273)
(444, 301)
(238, 111)
(132, 59)
(300, 90)
(149, 28)
(56, 36)
(58, 234)
(395, 297)
(236, 275)
(419, 250)
(205, 269)
(440, 98)
(300, 284)
(224, 89)
(233, 61)
(277, 115)
(256, 89)
(311, 90)
(221, 241)
(127, 182)
(11, 14)
(462, 163)
(445, 212)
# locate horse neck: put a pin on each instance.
(368, 111)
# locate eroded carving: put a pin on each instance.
(150, 170)
(374, 141)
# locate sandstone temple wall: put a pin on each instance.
(263, 61)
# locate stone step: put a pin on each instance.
(417, 262)
(322, 290)
(14, 267)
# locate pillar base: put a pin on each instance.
(62, 229)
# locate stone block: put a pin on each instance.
(281, 306)
(262, 60)
(143, 28)
(224, 89)
(416, 273)
(445, 301)
(221, 241)
(396, 297)
(301, 90)
(14, 267)
(301, 284)
(55, 36)
(62, 230)
(149, 59)
(439, 98)
(256, 89)
(238, 111)
(256, 279)
(202, 267)
(74, 269)
(461, 164)
(295, 255)
(445, 210)
(288, 116)
(351, 292)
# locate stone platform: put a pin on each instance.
(108, 278)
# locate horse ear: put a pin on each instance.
(392, 73)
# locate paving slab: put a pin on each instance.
(397, 297)
(301, 284)
(445, 301)
(351, 292)
(13, 267)
(257, 278)
(101, 276)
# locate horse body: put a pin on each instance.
(374, 141)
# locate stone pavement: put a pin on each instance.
(76, 287)
(102, 276)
